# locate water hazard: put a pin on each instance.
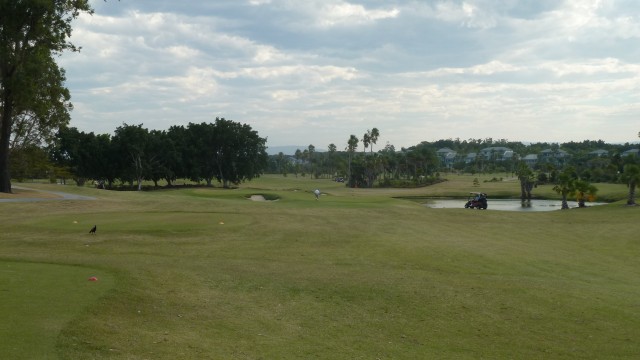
(505, 204)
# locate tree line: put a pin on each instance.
(226, 151)
(420, 165)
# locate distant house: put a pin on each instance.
(599, 153)
(442, 153)
(471, 157)
(447, 156)
(531, 159)
(631, 152)
(557, 156)
(508, 155)
(498, 153)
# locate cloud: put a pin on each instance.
(466, 13)
(346, 14)
(317, 71)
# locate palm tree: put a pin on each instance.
(366, 140)
(351, 148)
(311, 150)
(373, 137)
(331, 157)
(526, 177)
(565, 186)
(584, 191)
(631, 175)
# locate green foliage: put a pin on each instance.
(631, 175)
(225, 150)
(33, 100)
(526, 176)
(240, 154)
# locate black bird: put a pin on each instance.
(93, 229)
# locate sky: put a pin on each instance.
(304, 72)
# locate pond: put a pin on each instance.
(506, 204)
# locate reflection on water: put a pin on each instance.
(506, 204)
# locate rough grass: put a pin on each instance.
(207, 273)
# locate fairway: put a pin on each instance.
(207, 273)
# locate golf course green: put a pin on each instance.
(212, 273)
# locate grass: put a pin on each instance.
(39, 300)
(208, 273)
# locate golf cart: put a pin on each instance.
(476, 200)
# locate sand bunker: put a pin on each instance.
(260, 197)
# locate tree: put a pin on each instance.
(366, 140)
(631, 175)
(47, 110)
(31, 32)
(566, 185)
(200, 152)
(585, 191)
(526, 177)
(352, 145)
(162, 157)
(373, 137)
(31, 162)
(130, 143)
(311, 150)
(281, 166)
(77, 151)
(240, 154)
(331, 158)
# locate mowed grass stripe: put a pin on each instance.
(40, 300)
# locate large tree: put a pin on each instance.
(240, 154)
(130, 145)
(31, 32)
(76, 152)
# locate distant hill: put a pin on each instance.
(289, 150)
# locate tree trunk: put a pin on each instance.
(529, 187)
(632, 194)
(565, 205)
(349, 172)
(6, 119)
(581, 202)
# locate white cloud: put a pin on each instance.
(466, 14)
(317, 71)
(347, 14)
